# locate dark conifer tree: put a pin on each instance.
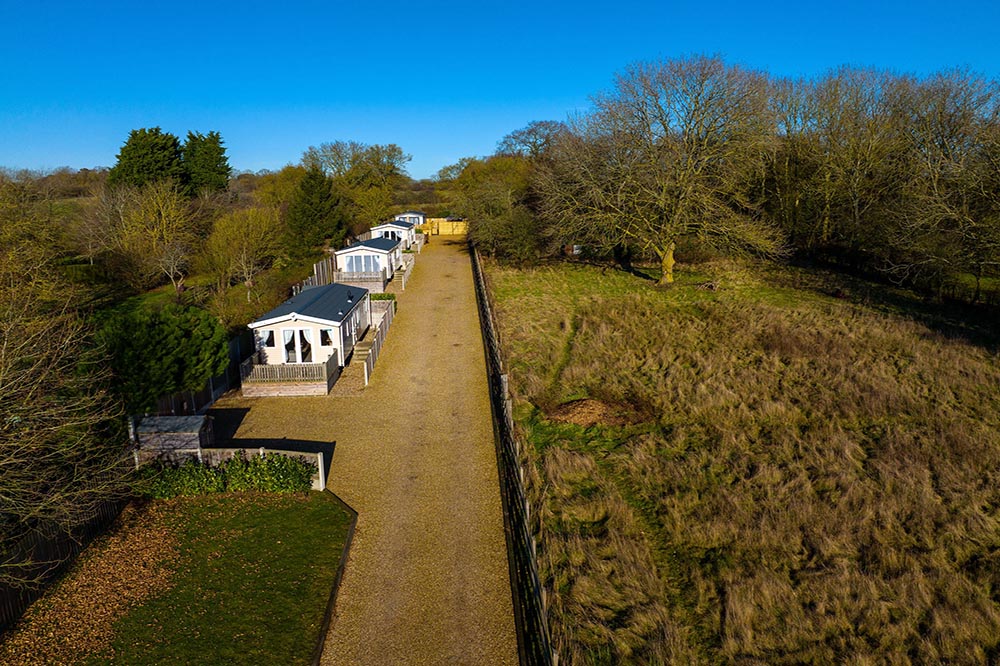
(313, 216)
(149, 155)
(205, 163)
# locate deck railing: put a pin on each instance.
(403, 274)
(356, 276)
(252, 370)
(383, 311)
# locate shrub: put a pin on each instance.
(271, 472)
(386, 297)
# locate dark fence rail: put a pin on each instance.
(533, 639)
(49, 549)
(241, 347)
(384, 311)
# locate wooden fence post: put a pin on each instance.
(322, 470)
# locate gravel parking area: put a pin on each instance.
(427, 580)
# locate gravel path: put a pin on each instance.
(427, 581)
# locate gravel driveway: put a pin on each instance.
(427, 581)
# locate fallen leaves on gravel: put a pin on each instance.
(118, 571)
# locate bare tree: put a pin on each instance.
(59, 459)
(667, 154)
(951, 221)
(243, 244)
(532, 141)
(860, 148)
(789, 181)
(152, 234)
(335, 158)
(93, 234)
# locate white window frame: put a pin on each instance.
(298, 345)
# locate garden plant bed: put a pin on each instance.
(227, 578)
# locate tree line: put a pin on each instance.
(119, 286)
(870, 170)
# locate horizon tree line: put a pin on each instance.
(869, 170)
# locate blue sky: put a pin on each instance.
(443, 80)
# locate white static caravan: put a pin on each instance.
(396, 230)
(371, 256)
(415, 217)
(312, 325)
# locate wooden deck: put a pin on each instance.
(291, 379)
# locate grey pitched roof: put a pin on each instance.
(382, 244)
(156, 424)
(395, 223)
(332, 302)
(413, 212)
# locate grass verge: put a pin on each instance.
(236, 579)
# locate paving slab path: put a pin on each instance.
(427, 579)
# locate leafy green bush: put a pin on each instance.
(158, 351)
(386, 297)
(271, 472)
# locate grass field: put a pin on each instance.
(757, 466)
(216, 579)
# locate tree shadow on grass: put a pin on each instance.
(974, 324)
(456, 241)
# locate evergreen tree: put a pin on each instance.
(154, 353)
(205, 163)
(313, 216)
(149, 155)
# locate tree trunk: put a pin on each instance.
(623, 256)
(667, 264)
(824, 235)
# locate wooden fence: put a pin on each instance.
(441, 226)
(403, 274)
(373, 281)
(325, 272)
(253, 370)
(383, 311)
(52, 549)
(260, 379)
(196, 402)
(534, 641)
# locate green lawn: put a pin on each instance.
(761, 464)
(251, 584)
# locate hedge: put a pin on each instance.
(271, 472)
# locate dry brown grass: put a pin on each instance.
(817, 482)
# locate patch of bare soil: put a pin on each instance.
(74, 619)
(589, 412)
